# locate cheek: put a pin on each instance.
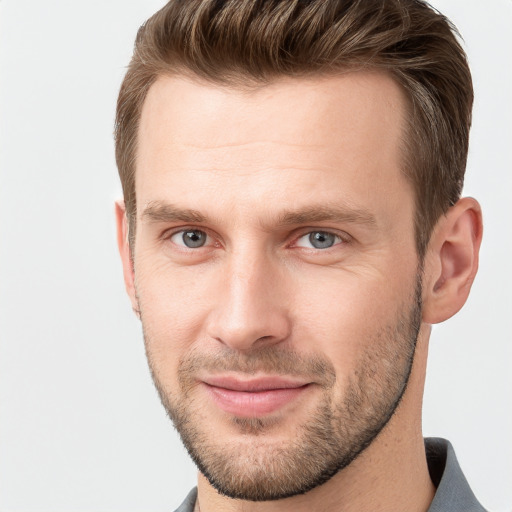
(173, 305)
(344, 317)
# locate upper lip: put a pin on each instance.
(264, 383)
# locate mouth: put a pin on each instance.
(256, 397)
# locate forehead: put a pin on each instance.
(332, 135)
(303, 109)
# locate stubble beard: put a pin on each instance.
(329, 441)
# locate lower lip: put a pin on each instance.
(252, 404)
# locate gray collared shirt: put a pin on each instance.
(452, 489)
(453, 493)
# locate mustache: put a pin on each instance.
(268, 360)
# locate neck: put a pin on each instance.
(391, 474)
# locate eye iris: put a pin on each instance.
(321, 239)
(194, 238)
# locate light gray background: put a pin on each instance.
(81, 428)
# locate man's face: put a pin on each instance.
(276, 273)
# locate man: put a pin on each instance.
(291, 228)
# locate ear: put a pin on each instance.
(451, 262)
(126, 254)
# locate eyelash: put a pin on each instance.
(340, 239)
(170, 235)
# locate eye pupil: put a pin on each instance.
(321, 239)
(194, 238)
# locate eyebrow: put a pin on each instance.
(158, 211)
(327, 213)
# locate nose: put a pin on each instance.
(251, 307)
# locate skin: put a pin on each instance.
(243, 159)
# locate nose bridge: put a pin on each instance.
(249, 310)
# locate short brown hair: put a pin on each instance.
(243, 42)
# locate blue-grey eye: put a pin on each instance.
(322, 240)
(191, 238)
(318, 240)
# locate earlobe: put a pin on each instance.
(123, 244)
(452, 260)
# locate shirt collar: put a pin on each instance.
(453, 492)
